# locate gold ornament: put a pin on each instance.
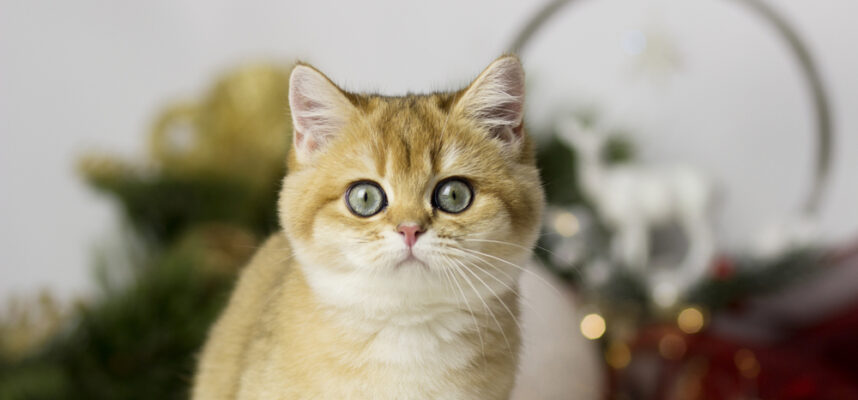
(241, 129)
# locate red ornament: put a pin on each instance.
(723, 268)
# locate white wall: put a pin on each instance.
(81, 74)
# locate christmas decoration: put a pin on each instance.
(708, 324)
(810, 360)
(633, 200)
(196, 207)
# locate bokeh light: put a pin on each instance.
(593, 326)
(690, 320)
(746, 363)
(618, 355)
(672, 346)
(566, 224)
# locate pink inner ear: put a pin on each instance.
(508, 134)
(313, 110)
(305, 142)
(514, 109)
(507, 111)
(496, 100)
(304, 119)
(306, 111)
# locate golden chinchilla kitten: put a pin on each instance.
(405, 222)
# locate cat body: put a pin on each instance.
(405, 222)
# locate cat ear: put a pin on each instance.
(495, 100)
(319, 110)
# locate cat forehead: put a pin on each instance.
(406, 114)
(411, 134)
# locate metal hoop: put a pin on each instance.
(824, 135)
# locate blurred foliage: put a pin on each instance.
(197, 205)
(624, 292)
(752, 277)
(133, 343)
(29, 323)
(557, 162)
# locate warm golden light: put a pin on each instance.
(618, 355)
(672, 347)
(593, 326)
(690, 320)
(746, 363)
(566, 224)
(665, 295)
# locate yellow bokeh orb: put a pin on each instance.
(593, 326)
(746, 363)
(566, 224)
(690, 320)
(618, 355)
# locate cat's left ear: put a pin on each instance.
(495, 100)
(319, 111)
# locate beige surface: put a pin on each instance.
(557, 362)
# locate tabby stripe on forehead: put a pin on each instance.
(435, 157)
(380, 155)
(406, 153)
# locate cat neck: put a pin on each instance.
(409, 327)
(405, 298)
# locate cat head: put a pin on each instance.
(399, 195)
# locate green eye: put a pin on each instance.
(365, 198)
(453, 195)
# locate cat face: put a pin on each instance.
(421, 192)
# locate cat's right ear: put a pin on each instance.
(495, 101)
(319, 111)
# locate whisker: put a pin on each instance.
(449, 285)
(486, 305)
(523, 299)
(502, 303)
(543, 280)
(518, 296)
(459, 252)
(507, 243)
(471, 311)
(288, 257)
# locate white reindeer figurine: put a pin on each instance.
(632, 199)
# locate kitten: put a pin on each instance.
(405, 220)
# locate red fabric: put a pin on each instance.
(816, 363)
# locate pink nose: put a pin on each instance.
(410, 232)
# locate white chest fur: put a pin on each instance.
(435, 340)
(420, 343)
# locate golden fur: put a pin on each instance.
(327, 309)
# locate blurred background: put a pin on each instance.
(110, 112)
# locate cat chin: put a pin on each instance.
(374, 293)
(401, 281)
(411, 261)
